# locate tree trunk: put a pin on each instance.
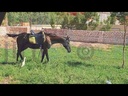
(30, 22)
(124, 43)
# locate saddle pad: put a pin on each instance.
(32, 39)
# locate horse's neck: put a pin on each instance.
(59, 40)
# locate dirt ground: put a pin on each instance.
(9, 42)
(94, 45)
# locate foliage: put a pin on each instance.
(113, 18)
(122, 17)
(107, 25)
(52, 20)
(77, 21)
(64, 18)
(15, 18)
(66, 23)
(95, 21)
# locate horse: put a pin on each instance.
(50, 39)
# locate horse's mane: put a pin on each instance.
(50, 34)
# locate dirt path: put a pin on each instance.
(7, 40)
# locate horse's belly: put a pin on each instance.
(34, 46)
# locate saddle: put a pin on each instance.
(37, 38)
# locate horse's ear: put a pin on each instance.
(67, 37)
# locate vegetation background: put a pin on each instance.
(70, 20)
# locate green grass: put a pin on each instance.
(66, 68)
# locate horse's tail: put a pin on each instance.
(12, 35)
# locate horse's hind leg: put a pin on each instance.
(20, 49)
(19, 54)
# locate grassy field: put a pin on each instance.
(65, 68)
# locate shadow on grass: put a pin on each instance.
(78, 63)
(20, 61)
(12, 63)
(117, 67)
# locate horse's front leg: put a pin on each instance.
(43, 54)
(47, 55)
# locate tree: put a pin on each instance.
(107, 25)
(66, 23)
(94, 17)
(95, 21)
(122, 17)
(59, 17)
(36, 17)
(113, 17)
(77, 21)
(12, 18)
(52, 19)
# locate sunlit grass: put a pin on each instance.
(66, 68)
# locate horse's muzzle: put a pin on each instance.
(69, 51)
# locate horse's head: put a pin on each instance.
(66, 44)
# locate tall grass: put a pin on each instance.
(65, 68)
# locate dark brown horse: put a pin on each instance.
(23, 43)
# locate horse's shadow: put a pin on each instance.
(20, 61)
(11, 63)
(78, 63)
